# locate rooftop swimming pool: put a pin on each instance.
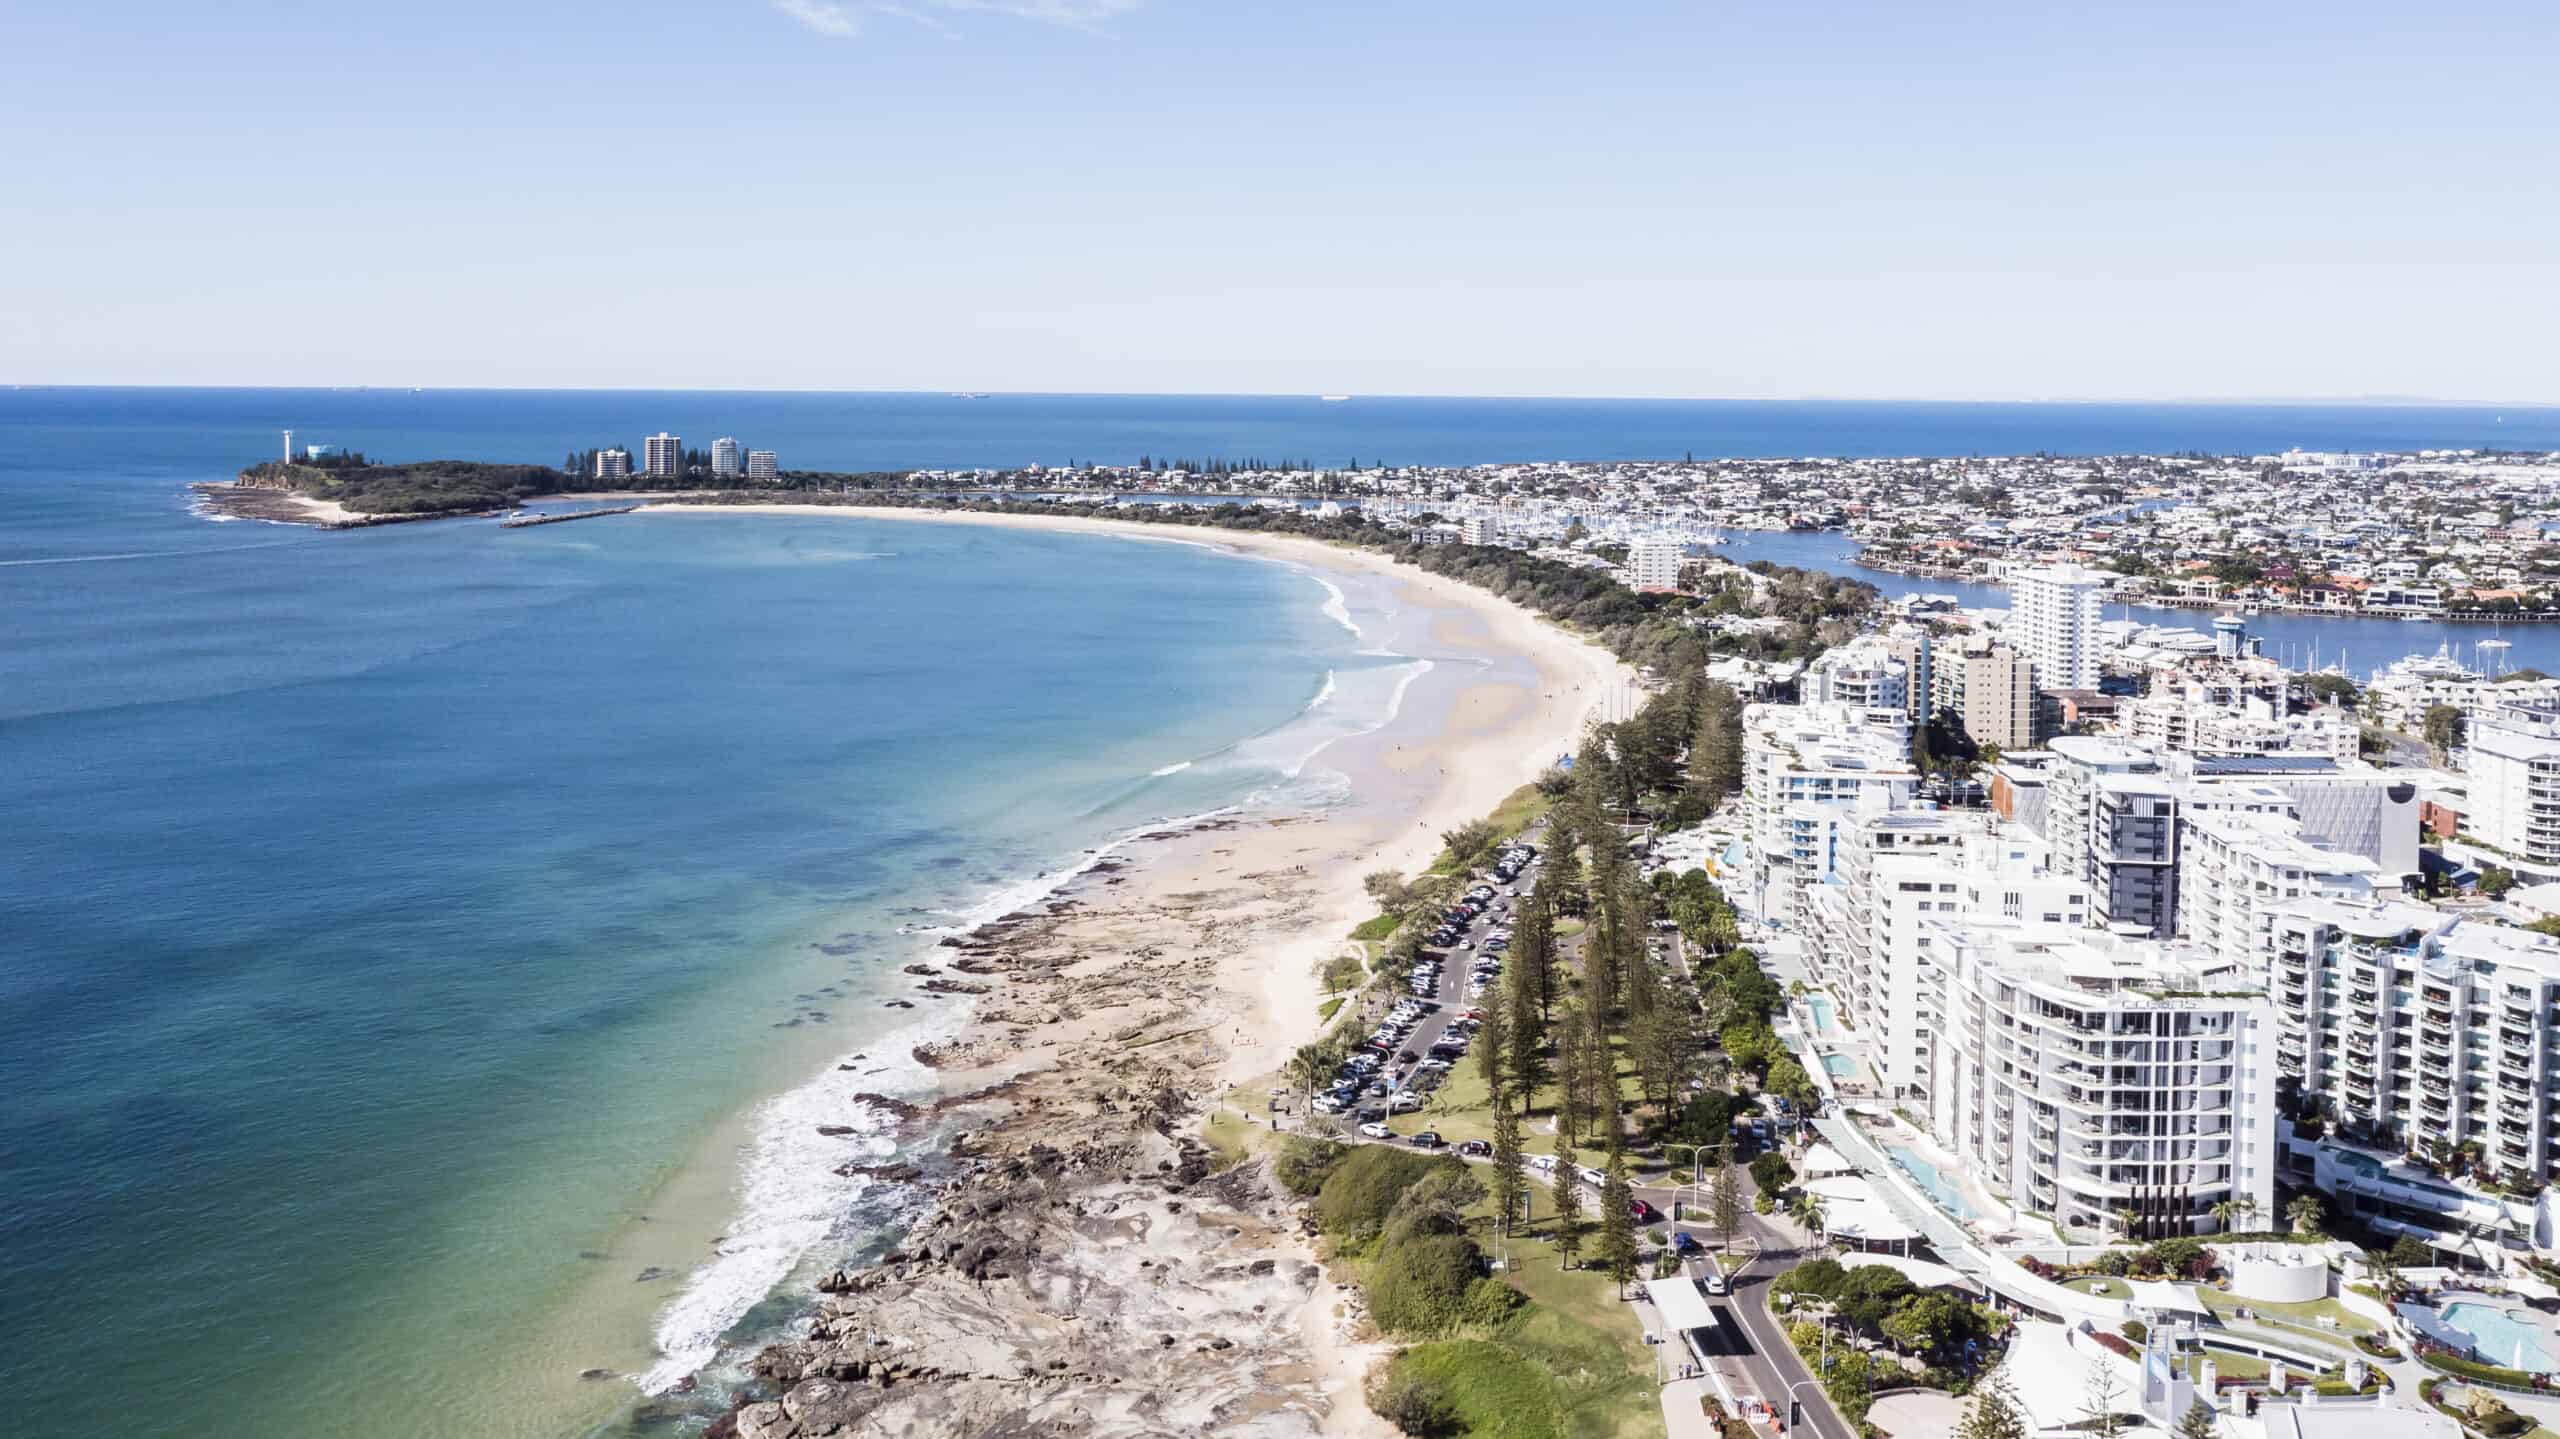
(1916, 1165)
(2499, 1337)
(1839, 1066)
(1821, 1007)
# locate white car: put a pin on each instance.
(1405, 1103)
(1375, 1130)
(1543, 1163)
(1593, 1177)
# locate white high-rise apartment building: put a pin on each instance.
(2080, 1074)
(1483, 530)
(2237, 867)
(1864, 672)
(2413, 1026)
(2111, 815)
(1804, 768)
(663, 455)
(724, 457)
(1897, 872)
(613, 464)
(2514, 761)
(1655, 564)
(2053, 620)
(762, 466)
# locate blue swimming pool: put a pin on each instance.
(1839, 1066)
(1821, 1007)
(1935, 1185)
(2498, 1337)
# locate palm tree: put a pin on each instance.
(2128, 1217)
(2306, 1213)
(1807, 1211)
(1306, 1068)
(2232, 1212)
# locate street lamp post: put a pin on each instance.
(1788, 1427)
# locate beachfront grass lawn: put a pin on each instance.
(1326, 1011)
(1583, 1338)
(2308, 1313)
(1234, 1137)
(1458, 1109)
(1370, 931)
(2099, 1285)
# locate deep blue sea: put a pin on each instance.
(392, 922)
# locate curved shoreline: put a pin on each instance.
(1196, 962)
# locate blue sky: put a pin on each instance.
(1398, 196)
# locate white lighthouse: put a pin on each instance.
(288, 447)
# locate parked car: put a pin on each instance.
(1427, 1139)
(1377, 1131)
(1405, 1103)
(1476, 1149)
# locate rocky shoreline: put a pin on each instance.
(284, 507)
(1085, 1266)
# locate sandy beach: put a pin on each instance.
(1115, 1016)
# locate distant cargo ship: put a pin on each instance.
(1333, 399)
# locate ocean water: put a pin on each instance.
(418, 945)
(910, 431)
(394, 920)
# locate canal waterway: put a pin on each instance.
(2301, 641)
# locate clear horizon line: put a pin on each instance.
(2375, 401)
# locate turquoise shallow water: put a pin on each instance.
(385, 918)
(1933, 1183)
(389, 913)
(2500, 1338)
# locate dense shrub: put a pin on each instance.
(2179, 1255)
(1821, 1278)
(1419, 1284)
(1363, 1187)
(1304, 1163)
(2136, 1330)
(1490, 1302)
(1414, 1404)
(1772, 1172)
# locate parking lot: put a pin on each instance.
(1431, 1028)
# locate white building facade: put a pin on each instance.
(2082, 1075)
(2412, 1026)
(2053, 620)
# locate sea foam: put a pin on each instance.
(791, 1199)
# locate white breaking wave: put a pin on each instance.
(1337, 607)
(1014, 897)
(791, 1198)
(1174, 768)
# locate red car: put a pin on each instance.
(1643, 1212)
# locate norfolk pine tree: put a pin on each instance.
(1568, 1202)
